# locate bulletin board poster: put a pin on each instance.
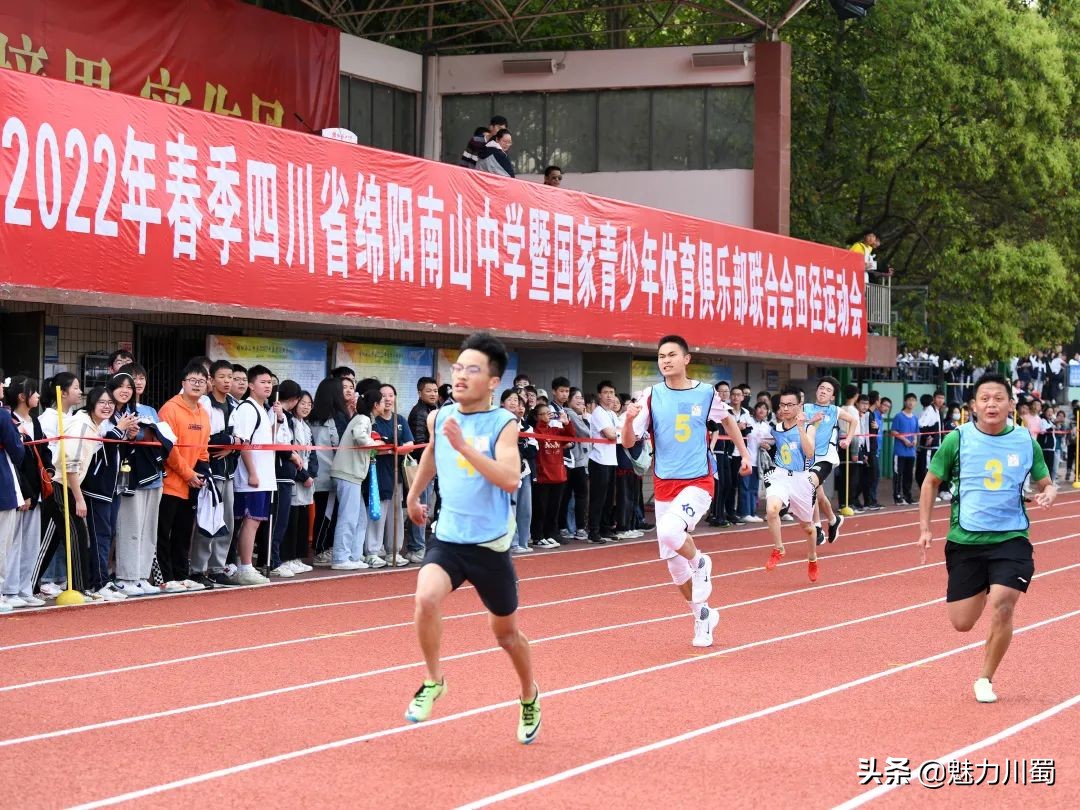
(447, 358)
(401, 366)
(288, 359)
(644, 373)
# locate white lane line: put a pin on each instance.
(392, 597)
(473, 614)
(569, 773)
(459, 656)
(1005, 733)
(404, 729)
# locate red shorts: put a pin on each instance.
(668, 490)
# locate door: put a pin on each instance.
(22, 348)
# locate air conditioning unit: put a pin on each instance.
(716, 59)
(528, 66)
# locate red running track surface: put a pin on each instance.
(294, 696)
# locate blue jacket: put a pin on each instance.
(12, 446)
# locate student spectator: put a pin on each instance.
(472, 149)
(626, 480)
(329, 420)
(493, 158)
(905, 433)
(522, 499)
(386, 536)
(758, 439)
(287, 466)
(930, 430)
(577, 473)
(256, 480)
(240, 382)
(20, 528)
(188, 467)
(302, 513)
(344, 373)
(446, 394)
(602, 465)
(553, 176)
(349, 469)
(722, 448)
(138, 506)
(119, 359)
(427, 391)
(872, 426)
(550, 474)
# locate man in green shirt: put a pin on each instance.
(987, 551)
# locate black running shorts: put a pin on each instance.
(974, 568)
(490, 572)
(822, 469)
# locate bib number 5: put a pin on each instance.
(682, 427)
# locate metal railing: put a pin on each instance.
(879, 306)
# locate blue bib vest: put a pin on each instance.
(788, 453)
(474, 510)
(680, 432)
(825, 435)
(992, 473)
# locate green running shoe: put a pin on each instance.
(529, 723)
(425, 697)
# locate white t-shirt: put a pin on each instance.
(602, 453)
(244, 420)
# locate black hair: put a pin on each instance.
(874, 397)
(591, 399)
(367, 400)
(488, 344)
(367, 384)
(499, 133)
(119, 353)
(95, 395)
(761, 394)
(624, 398)
(343, 371)
(479, 131)
(850, 390)
(677, 339)
(863, 398)
(600, 386)
(390, 386)
(835, 383)
(885, 399)
(573, 391)
(553, 168)
(425, 381)
(519, 378)
(989, 378)
(258, 371)
(446, 392)
(498, 121)
(218, 365)
(939, 393)
(289, 389)
(134, 369)
(20, 384)
(329, 399)
(718, 383)
(530, 389)
(790, 391)
(114, 382)
(560, 382)
(237, 367)
(926, 400)
(202, 360)
(509, 392)
(48, 388)
(910, 395)
(198, 369)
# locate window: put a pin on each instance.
(674, 128)
(381, 116)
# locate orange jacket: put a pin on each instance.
(191, 424)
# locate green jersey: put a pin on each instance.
(946, 465)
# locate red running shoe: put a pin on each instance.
(774, 559)
(812, 570)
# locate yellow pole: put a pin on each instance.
(846, 510)
(1076, 460)
(70, 596)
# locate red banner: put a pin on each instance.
(112, 194)
(218, 56)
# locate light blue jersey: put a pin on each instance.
(788, 453)
(826, 431)
(473, 510)
(680, 431)
(992, 473)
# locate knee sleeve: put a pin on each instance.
(671, 534)
(680, 569)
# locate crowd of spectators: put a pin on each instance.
(488, 150)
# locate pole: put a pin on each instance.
(70, 596)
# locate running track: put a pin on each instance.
(293, 695)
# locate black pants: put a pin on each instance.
(324, 526)
(577, 485)
(626, 488)
(546, 499)
(280, 510)
(176, 521)
(601, 497)
(295, 544)
(53, 540)
(901, 481)
(869, 484)
(723, 505)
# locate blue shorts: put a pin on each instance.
(254, 505)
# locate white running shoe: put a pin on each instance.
(324, 559)
(375, 562)
(520, 550)
(14, 601)
(415, 557)
(118, 593)
(702, 582)
(397, 560)
(348, 565)
(753, 519)
(4, 606)
(32, 601)
(703, 628)
(984, 691)
(107, 594)
(192, 585)
(146, 588)
(251, 577)
(300, 567)
(51, 589)
(284, 570)
(173, 586)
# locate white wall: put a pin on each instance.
(375, 62)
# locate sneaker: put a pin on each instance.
(565, 534)
(324, 559)
(251, 577)
(702, 584)
(172, 586)
(753, 519)
(647, 527)
(348, 565)
(787, 518)
(284, 570)
(581, 534)
(201, 579)
(146, 588)
(192, 585)
(834, 528)
(416, 557)
(520, 550)
(375, 562)
(51, 589)
(398, 560)
(874, 507)
(14, 601)
(812, 570)
(32, 601)
(107, 594)
(595, 538)
(703, 628)
(221, 578)
(820, 535)
(529, 721)
(774, 559)
(117, 593)
(425, 697)
(5, 607)
(984, 691)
